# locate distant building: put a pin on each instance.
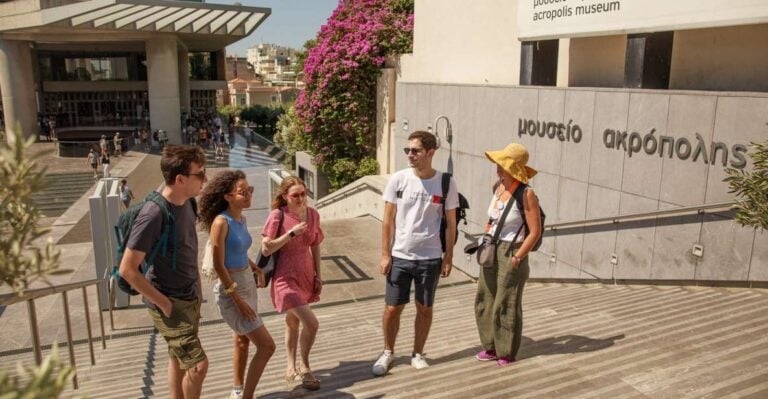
(276, 64)
(239, 68)
(252, 92)
(115, 64)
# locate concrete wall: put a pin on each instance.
(596, 61)
(586, 179)
(458, 41)
(731, 58)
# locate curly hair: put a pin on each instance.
(286, 185)
(212, 201)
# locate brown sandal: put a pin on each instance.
(308, 381)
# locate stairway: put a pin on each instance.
(61, 191)
(579, 341)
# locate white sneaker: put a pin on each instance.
(383, 363)
(236, 394)
(419, 362)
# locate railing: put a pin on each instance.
(31, 295)
(700, 209)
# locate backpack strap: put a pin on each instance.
(169, 228)
(518, 195)
(446, 183)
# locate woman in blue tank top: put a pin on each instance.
(221, 213)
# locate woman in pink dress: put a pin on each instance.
(297, 280)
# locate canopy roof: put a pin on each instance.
(201, 26)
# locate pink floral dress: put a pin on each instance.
(294, 281)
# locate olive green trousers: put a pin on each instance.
(499, 303)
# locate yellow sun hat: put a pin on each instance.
(513, 159)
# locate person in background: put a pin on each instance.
(105, 163)
(499, 299)
(118, 141)
(126, 194)
(93, 160)
(297, 280)
(103, 145)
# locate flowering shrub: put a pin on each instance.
(337, 108)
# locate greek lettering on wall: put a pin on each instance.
(681, 147)
(634, 143)
(553, 130)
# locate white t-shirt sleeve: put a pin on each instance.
(390, 192)
(452, 202)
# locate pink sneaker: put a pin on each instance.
(503, 361)
(485, 356)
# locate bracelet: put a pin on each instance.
(519, 259)
(291, 234)
(231, 288)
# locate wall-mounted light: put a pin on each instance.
(405, 125)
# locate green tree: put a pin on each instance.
(751, 189)
(22, 261)
(291, 137)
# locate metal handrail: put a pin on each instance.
(29, 296)
(631, 216)
(616, 219)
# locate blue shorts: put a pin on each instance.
(425, 273)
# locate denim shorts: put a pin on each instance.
(424, 272)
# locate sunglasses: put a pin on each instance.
(414, 151)
(247, 191)
(298, 195)
(200, 175)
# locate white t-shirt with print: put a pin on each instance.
(419, 211)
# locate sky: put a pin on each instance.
(291, 23)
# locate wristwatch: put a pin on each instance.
(291, 234)
(519, 259)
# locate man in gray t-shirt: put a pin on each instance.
(173, 296)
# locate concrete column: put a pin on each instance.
(18, 87)
(563, 62)
(184, 80)
(385, 117)
(163, 82)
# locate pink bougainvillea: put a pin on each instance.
(337, 107)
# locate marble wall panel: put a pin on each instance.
(572, 206)
(684, 183)
(522, 104)
(672, 247)
(546, 157)
(606, 164)
(642, 172)
(727, 249)
(758, 267)
(634, 242)
(738, 120)
(579, 110)
(600, 240)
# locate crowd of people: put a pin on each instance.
(412, 256)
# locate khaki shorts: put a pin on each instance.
(180, 331)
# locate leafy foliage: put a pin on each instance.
(752, 189)
(338, 105)
(47, 381)
(263, 117)
(290, 136)
(22, 261)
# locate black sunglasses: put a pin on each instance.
(414, 151)
(200, 175)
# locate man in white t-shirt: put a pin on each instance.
(410, 245)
